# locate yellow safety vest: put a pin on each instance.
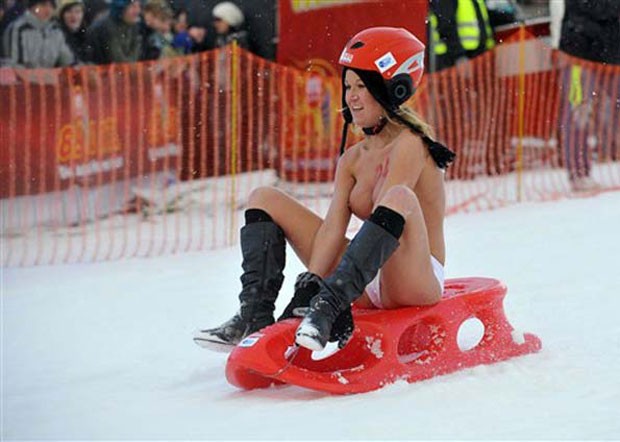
(467, 23)
(467, 27)
(438, 44)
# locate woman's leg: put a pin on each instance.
(272, 218)
(298, 222)
(407, 278)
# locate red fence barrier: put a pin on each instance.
(105, 162)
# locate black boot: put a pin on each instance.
(369, 250)
(307, 286)
(263, 248)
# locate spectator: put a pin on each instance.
(227, 20)
(157, 36)
(116, 38)
(590, 31)
(71, 20)
(182, 40)
(34, 40)
(460, 29)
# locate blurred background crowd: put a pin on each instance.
(57, 33)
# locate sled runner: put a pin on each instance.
(410, 344)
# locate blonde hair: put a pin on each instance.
(159, 9)
(411, 117)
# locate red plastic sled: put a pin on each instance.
(410, 344)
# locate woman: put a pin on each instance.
(157, 34)
(71, 20)
(227, 21)
(393, 179)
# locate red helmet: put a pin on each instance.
(395, 53)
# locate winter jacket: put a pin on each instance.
(76, 40)
(240, 36)
(31, 43)
(591, 30)
(111, 40)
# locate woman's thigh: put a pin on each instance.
(408, 278)
(298, 222)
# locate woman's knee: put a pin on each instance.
(264, 197)
(401, 199)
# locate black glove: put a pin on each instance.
(308, 285)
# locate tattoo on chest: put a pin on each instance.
(382, 169)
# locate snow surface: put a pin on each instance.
(105, 351)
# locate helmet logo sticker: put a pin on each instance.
(346, 57)
(385, 62)
(412, 64)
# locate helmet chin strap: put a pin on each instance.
(374, 130)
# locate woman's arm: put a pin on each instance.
(403, 165)
(328, 241)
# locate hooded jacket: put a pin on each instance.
(111, 40)
(31, 43)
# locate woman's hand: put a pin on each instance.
(307, 286)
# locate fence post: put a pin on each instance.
(234, 141)
(520, 112)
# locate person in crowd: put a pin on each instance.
(34, 40)
(393, 179)
(116, 37)
(182, 40)
(228, 21)
(590, 31)
(192, 20)
(157, 33)
(459, 30)
(71, 21)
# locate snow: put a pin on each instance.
(105, 351)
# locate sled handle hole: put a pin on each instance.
(470, 334)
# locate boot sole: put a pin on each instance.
(218, 346)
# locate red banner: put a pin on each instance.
(319, 29)
(86, 127)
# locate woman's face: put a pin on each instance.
(221, 27)
(366, 111)
(73, 17)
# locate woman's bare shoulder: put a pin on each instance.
(408, 145)
(351, 154)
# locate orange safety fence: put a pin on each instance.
(126, 160)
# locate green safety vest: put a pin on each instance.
(467, 27)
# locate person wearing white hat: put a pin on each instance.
(228, 20)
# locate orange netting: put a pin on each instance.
(104, 162)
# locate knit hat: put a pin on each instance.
(230, 13)
(64, 4)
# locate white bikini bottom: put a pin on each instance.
(374, 288)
